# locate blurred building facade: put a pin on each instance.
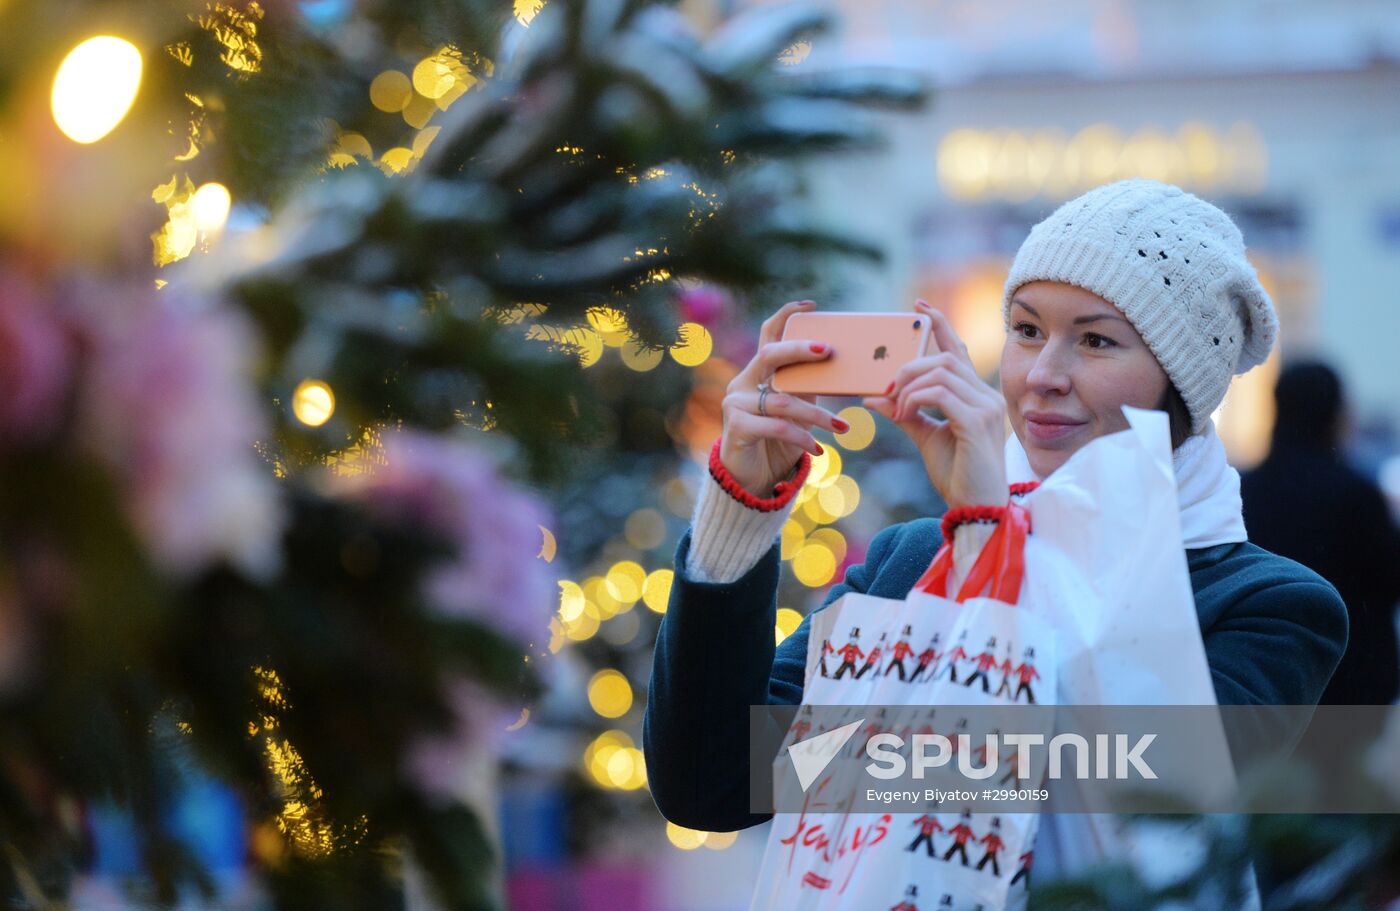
(1285, 113)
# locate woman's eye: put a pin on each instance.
(1025, 329)
(1094, 340)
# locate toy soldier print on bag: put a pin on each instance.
(874, 657)
(1026, 673)
(908, 904)
(821, 662)
(900, 651)
(993, 842)
(850, 654)
(957, 654)
(928, 824)
(927, 657)
(985, 662)
(1025, 871)
(962, 833)
(1007, 669)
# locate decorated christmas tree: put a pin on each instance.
(301, 310)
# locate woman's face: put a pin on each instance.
(1070, 363)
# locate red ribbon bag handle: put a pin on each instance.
(1002, 562)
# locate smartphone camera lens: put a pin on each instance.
(917, 323)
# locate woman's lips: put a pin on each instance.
(1049, 431)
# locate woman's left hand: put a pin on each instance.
(964, 454)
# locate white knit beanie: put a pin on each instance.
(1175, 266)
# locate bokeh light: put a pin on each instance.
(609, 693)
(211, 204)
(792, 538)
(640, 359)
(391, 91)
(814, 564)
(718, 841)
(656, 591)
(787, 621)
(862, 432)
(825, 467)
(624, 582)
(832, 539)
(313, 403)
(571, 601)
(694, 347)
(683, 838)
(95, 87)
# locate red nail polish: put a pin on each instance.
(819, 449)
(818, 347)
(840, 425)
(889, 388)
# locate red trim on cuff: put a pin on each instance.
(783, 491)
(961, 515)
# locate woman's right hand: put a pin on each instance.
(759, 451)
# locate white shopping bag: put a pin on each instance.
(924, 652)
(1107, 606)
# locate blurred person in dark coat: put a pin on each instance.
(1306, 503)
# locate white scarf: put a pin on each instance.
(1207, 488)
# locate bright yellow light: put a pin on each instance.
(814, 565)
(571, 601)
(825, 467)
(313, 403)
(610, 324)
(834, 541)
(638, 358)
(626, 768)
(595, 589)
(813, 509)
(694, 347)
(525, 10)
(95, 87)
(585, 626)
(683, 838)
(841, 498)
(624, 581)
(390, 91)
(793, 537)
(862, 431)
(656, 591)
(396, 160)
(610, 694)
(211, 204)
(788, 620)
(433, 76)
(600, 751)
(718, 841)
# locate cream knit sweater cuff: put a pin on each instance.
(727, 538)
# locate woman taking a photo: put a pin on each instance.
(1135, 293)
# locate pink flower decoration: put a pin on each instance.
(167, 401)
(705, 304)
(35, 361)
(450, 486)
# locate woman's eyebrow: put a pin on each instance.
(1077, 321)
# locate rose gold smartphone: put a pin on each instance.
(869, 348)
